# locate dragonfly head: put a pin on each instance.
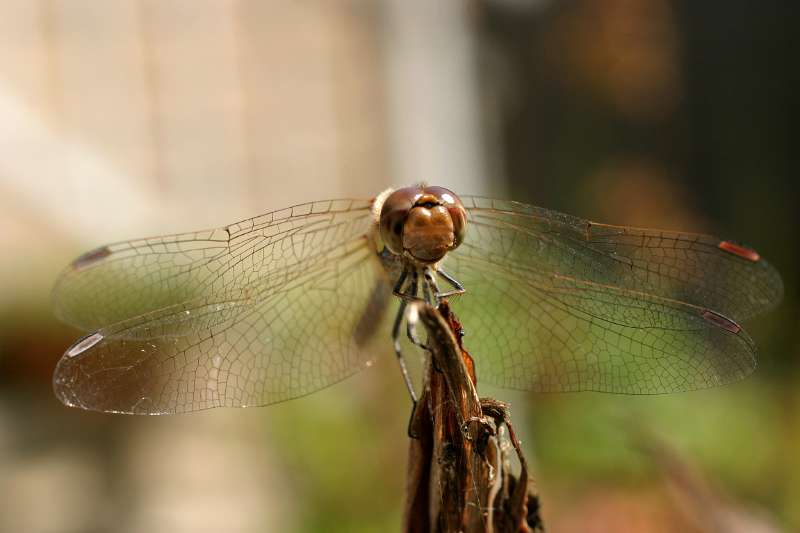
(422, 222)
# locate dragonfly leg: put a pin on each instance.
(411, 323)
(458, 288)
(411, 333)
(431, 288)
(399, 353)
(411, 433)
(398, 287)
(414, 285)
(409, 293)
(401, 311)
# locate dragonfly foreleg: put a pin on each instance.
(407, 291)
(398, 287)
(430, 290)
(458, 288)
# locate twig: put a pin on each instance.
(458, 474)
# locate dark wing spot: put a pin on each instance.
(91, 257)
(721, 321)
(741, 251)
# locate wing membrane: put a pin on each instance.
(555, 303)
(696, 269)
(290, 334)
(124, 280)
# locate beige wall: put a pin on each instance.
(123, 118)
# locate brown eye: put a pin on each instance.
(458, 214)
(394, 213)
(445, 197)
(459, 217)
(392, 229)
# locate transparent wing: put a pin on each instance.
(290, 333)
(556, 303)
(697, 269)
(257, 312)
(120, 281)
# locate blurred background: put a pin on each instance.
(131, 118)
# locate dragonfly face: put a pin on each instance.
(422, 223)
(289, 302)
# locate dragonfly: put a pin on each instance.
(290, 302)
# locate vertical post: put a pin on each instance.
(433, 104)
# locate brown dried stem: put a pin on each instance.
(458, 473)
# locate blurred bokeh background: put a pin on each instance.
(130, 118)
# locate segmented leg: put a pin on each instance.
(411, 325)
(459, 288)
(399, 352)
(398, 287)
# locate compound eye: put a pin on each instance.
(392, 230)
(458, 214)
(394, 213)
(459, 217)
(444, 197)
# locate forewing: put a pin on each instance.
(289, 334)
(554, 303)
(121, 281)
(696, 269)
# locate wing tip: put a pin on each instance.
(67, 372)
(63, 383)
